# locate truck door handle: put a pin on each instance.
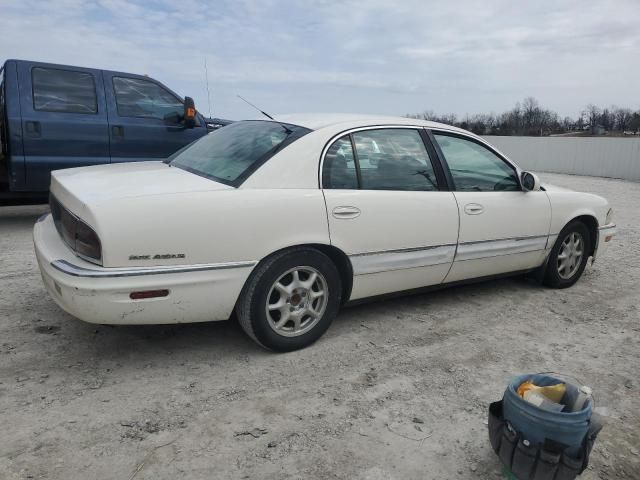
(33, 129)
(117, 131)
(345, 213)
(473, 209)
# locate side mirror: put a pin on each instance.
(172, 118)
(189, 113)
(530, 182)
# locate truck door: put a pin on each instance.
(145, 119)
(64, 120)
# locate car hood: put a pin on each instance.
(78, 188)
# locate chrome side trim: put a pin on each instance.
(76, 271)
(495, 248)
(384, 261)
(608, 229)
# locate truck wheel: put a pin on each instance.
(290, 299)
(568, 257)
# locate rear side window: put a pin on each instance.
(66, 91)
(394, 159)
(141, 98)
(339, 168)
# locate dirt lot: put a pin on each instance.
(396, 389)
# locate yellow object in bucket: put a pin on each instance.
(552, 392)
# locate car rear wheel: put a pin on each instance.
(568, 257)
(290, 299)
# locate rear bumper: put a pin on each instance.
(197, 293)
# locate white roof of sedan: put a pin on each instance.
(316, 121)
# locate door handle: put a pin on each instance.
(473, 209)
(117, 131)
(345, 213)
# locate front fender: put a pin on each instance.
(567, 205)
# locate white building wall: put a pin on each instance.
(594, 156)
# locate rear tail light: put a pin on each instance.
(78, 236)
(87, 242)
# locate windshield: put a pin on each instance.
(232, 153)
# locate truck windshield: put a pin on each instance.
(231, 154)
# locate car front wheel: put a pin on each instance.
(569, 256)
(290, 299)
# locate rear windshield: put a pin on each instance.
(232, 153)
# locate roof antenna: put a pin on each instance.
(286, 129)
(264, 113)
(206, 76)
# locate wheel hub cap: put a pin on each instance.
(297, 301)
(570, 255)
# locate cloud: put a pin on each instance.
(349, 55)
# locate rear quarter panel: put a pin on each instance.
(208, 227)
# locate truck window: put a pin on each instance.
(66, 91)
(141, 98)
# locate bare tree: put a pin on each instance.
(592, 113)
(623, 117)
(530, 118)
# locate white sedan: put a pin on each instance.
(283, 222)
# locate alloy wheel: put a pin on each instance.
(570, 255)
(296, 301)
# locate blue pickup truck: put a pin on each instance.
(58, 116)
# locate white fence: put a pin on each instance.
(594, 156)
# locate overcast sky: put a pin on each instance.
(369, 56)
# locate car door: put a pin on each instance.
(502, 227)
(388, 208)
(145, 119)
(64, 120)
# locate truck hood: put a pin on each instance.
(79, 188)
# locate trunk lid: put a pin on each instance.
(79, 188)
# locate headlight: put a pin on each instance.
(609, 218)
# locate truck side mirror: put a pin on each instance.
(189, 113)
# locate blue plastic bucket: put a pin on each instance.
(536, 424)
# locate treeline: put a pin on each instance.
(529, 118)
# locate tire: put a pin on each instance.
(258, 310)
(555, 275)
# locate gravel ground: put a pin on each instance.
(397, 389)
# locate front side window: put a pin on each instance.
(230, 154)
(339, 168)
(394, 159)
(65, 91)
(474, 167)
(136, 97)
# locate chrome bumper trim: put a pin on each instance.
(76, 271)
